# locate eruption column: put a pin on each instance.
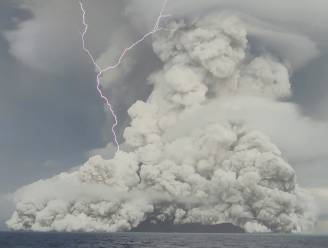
(101, 71)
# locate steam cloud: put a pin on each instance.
(174, 170)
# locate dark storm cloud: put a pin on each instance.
(310, 87)
(47, 120)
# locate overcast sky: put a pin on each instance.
(51, 117)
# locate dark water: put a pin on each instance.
(160, 240)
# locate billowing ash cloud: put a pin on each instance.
(220, 171)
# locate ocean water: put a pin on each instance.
(158, 240)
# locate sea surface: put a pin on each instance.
(160, 240)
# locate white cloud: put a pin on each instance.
(224, 170)
(291, 29)
(50, 41)
(299, 137)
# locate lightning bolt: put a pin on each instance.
(100, 71)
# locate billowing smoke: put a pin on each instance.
(191, 155)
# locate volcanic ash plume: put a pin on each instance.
(174, 170)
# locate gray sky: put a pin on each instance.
(50, 114)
